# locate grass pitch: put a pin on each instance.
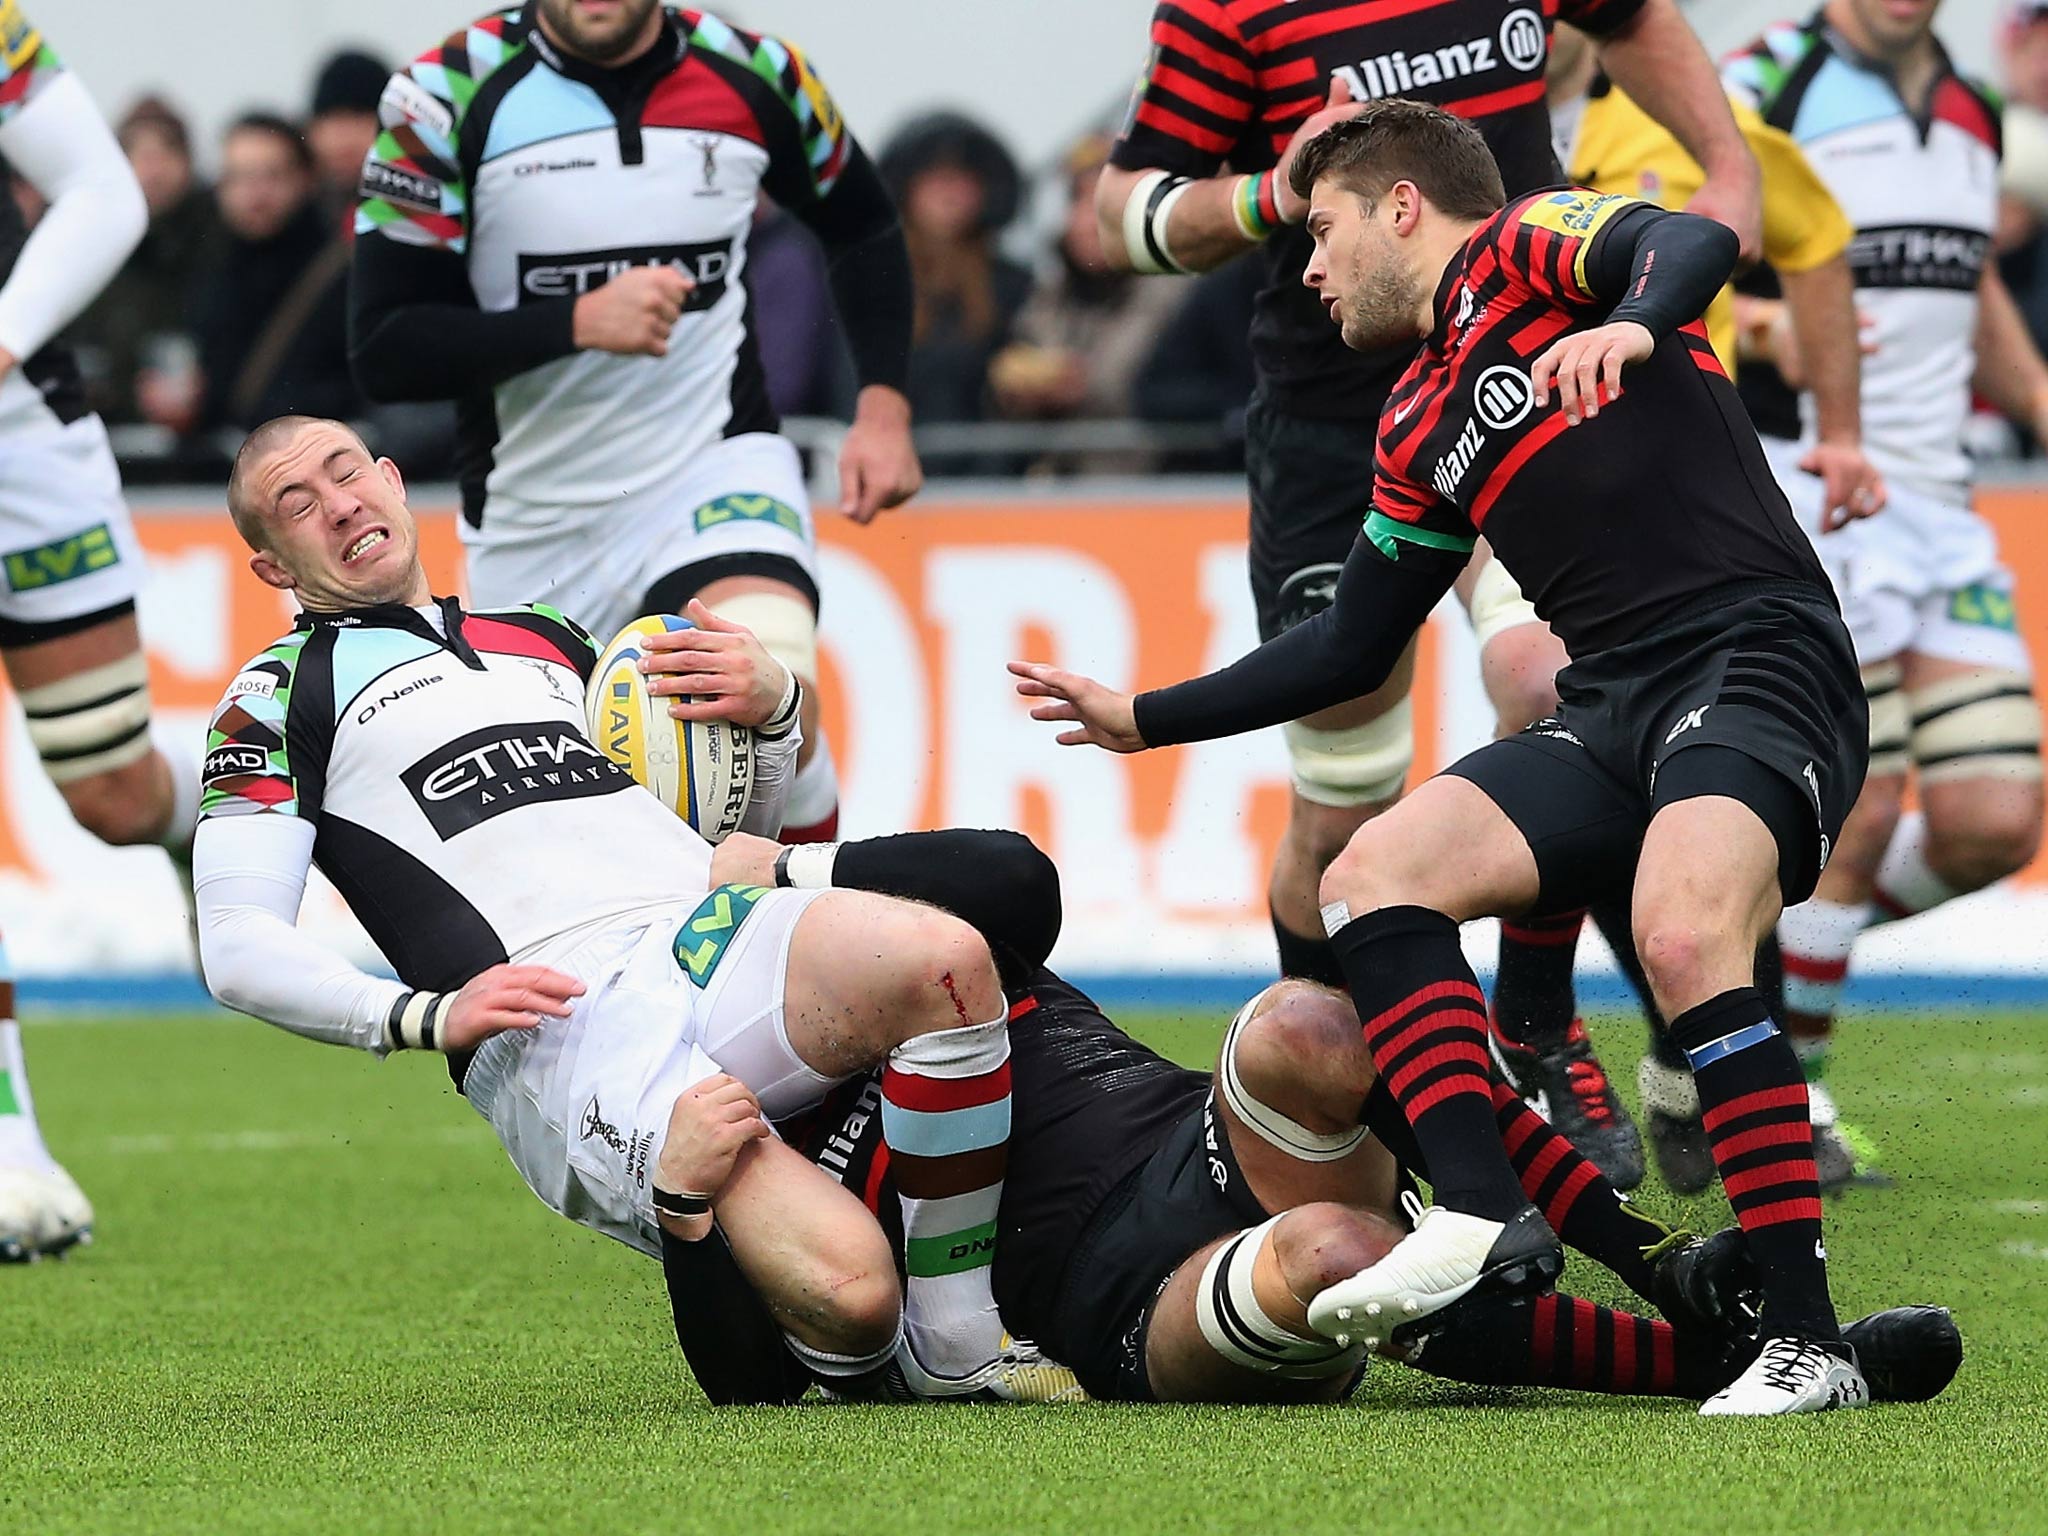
(321, 1301)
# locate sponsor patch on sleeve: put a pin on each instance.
(406, 100)
(402, 188)
(1576, 213)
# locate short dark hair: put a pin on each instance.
(278, 127)
(1401, 140)
(270, 435)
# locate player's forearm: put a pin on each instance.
(1192, 225)
(1658, 61)
(416, 333)
(60, 145)
(2010, 372)
(1822, 304)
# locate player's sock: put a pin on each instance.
(1425, 1024)
(1310, 959)
(1906, 883)
(811, 814)
(1563, 1341)
(1816, 938)
(1585, 1211)
(1753, 1099)
(21, 1140)
(1611, 917)
(946, 1121)
(1532, 993)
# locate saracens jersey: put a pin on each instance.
(549, 177)
(1609, 532)
(1230, 80)
(1923, 195)
(458, 805)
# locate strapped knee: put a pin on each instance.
(1266, 1122)
(1985, 725)
(1228, 1312)
(1356, 765)
(1891, 720)
(784, 624)
(92, 722)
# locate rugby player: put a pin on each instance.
(72, 566)
(1711, 734)
(1199, 175)
(1158, 1224)
(553, 232)
(552, 929)
(1911, 150)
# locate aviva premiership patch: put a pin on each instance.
(701, 942)
(1575, 213)
(46, 565)
(740, 507)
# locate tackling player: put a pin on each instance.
(1710, 735)
(1911, 150)
(71, 565)
(552, 931)
(554, 232)
(1199, 175)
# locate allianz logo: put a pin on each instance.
(1521, 43)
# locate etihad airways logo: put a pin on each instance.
(1521, 44)
(504, 767)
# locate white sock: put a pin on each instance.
(21, 1141)
(1816, 938)
(182, 754)
(1906, 885)
(814, 792)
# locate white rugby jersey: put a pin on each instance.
(1923, 195)
(455, 799)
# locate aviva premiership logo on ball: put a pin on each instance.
(703, 770)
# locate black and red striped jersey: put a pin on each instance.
(1229, 81)
(1611, 526)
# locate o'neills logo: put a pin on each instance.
(504, 767)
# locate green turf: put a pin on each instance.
(320, 1301)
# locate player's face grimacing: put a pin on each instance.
(336, 529)
(602, 31)
(1359, 270)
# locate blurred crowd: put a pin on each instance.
(235, 301)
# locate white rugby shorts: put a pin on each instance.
(743, 495)
(67, 546)
(581, 1105)
(1923, 575)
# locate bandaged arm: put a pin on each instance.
(1342, 653)
(249, 875)
(62, 147)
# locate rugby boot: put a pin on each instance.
(1706, 1284)
(1678, 1139)
(1792, 1375)
(1448, 1256)
(1020, 1374)
(42, 1212)
(1843, 1156)
(1567, 1086)
(1908, 1354)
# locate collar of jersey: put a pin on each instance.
(1856, 58)
(667, 52)
(380, 616)
(1447, 286)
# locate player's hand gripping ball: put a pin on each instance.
(703, 770)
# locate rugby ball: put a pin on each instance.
(703, 770)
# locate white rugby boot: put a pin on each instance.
(42, 1211)
(1791, 1376)
(1447, 1257)
(1019, 1374)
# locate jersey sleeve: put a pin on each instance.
(808, 145)
(1600, 17)
(1804, 227)
(412, 188)
(1545, 241)
(250, 767)
(1406, 515)
(1198, 96)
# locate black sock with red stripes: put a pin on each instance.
(1533, 1003)
(1563, 1341)
(1587, 1213)
(1753, 1100)
(1425, 1024)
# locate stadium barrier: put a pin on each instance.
(1164, 854)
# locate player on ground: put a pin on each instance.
(1910, 149)
(1610, 144)
(554, 233)
(70, 566)
(1159, 1226)
(552, 929)
(1710, 735)
(1241, 85)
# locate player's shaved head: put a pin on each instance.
(1400, 140)
(277, 433)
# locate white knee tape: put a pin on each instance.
(1497, 604)
(1357, 766)
(1267, 1123)
(783, 623)
(1237, 1327)
(1986, 725)
(91, 722)
(1891, 720)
